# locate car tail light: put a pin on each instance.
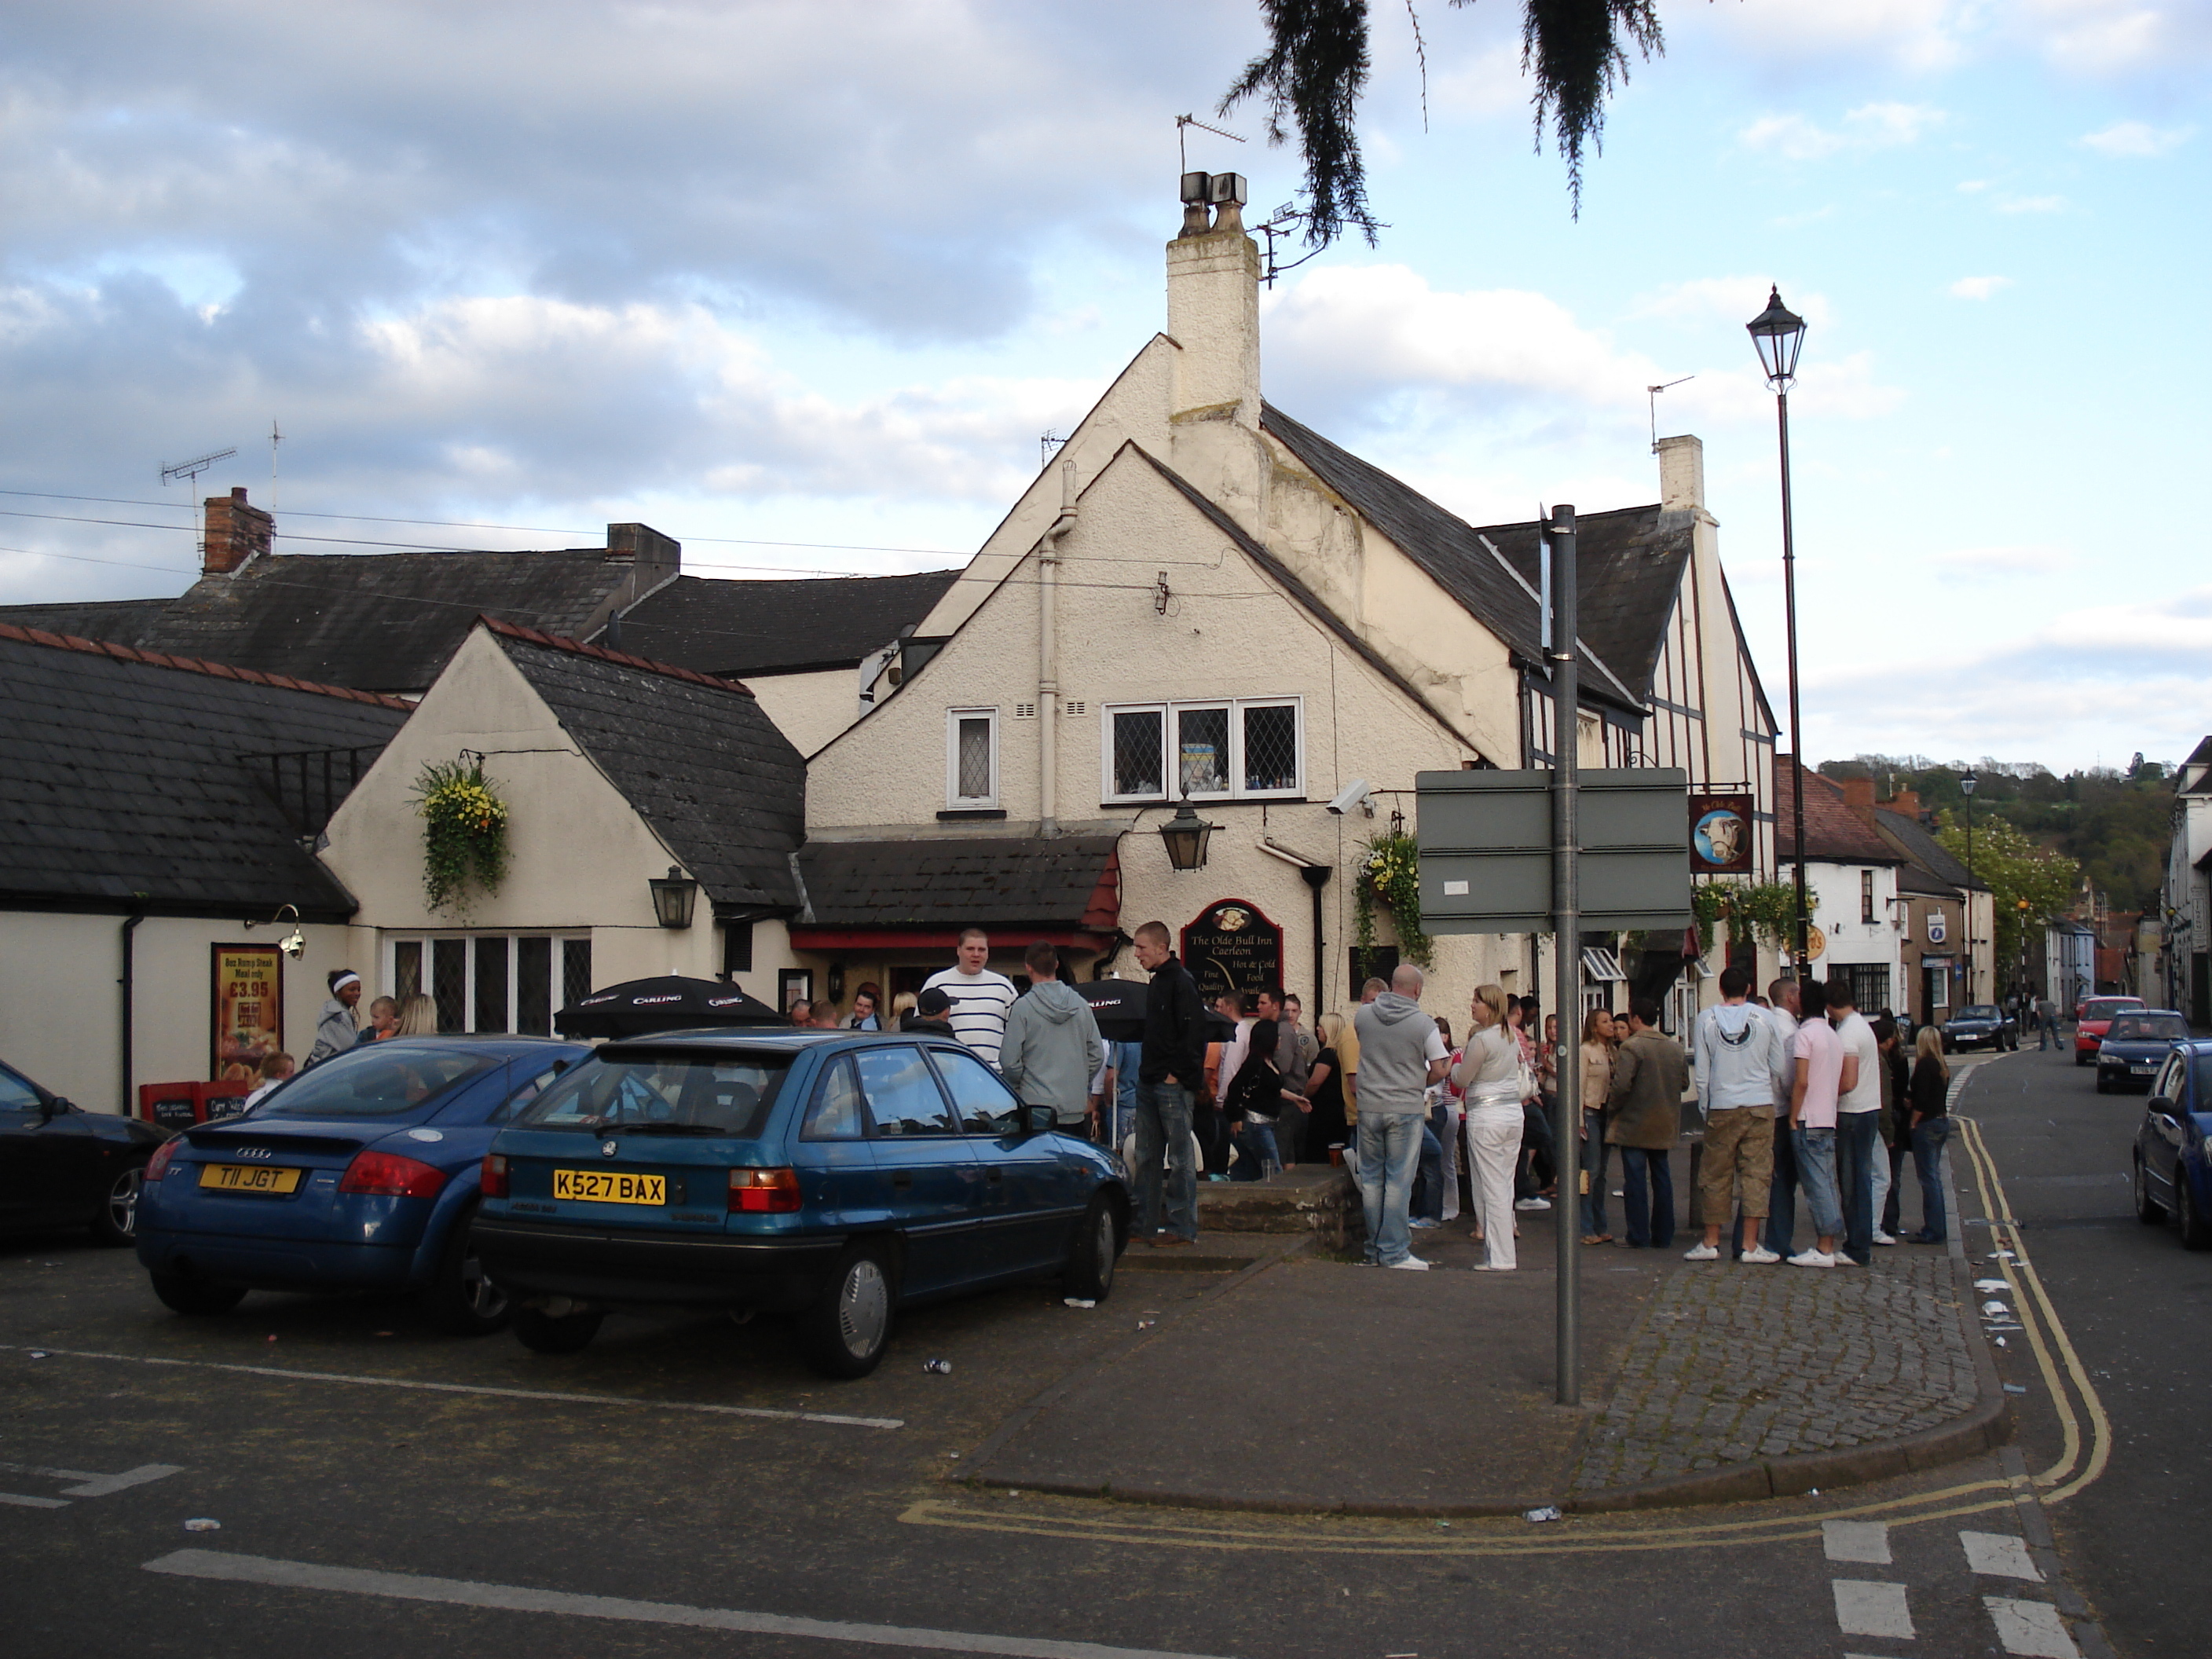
(770, 1192)
(494, 1179)
(392, 1175)
(158, 1166)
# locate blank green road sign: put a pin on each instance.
(1487, 850)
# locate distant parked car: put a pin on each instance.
(1984, 1025)
(2173, 1147)
(2135, 1045)
(61, 1166)
(838, 1176)
(358, 1174)
(2092, 1019)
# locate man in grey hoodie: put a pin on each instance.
(1401, 1053)
(1051, 1048)
(1735, 1091)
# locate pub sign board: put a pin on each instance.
(247, 995)
(1721, 839)
(1232, 946)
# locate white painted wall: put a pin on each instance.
(1836, 913)
(61, 1001)
(808, 708)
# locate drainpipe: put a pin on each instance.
(1316, 877)
(129, 926)
(1047, 656)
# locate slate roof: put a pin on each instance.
(126, 622)
(779, 627)
(1629, 564)
(133, 780)
(1923, 851)
(695, 755)
(1071, 882)
(385, 622)
(1833, 833)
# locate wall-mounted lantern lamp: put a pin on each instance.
(1185, 836)
(293, 944)
(673, 896)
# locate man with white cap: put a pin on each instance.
(335, 1029)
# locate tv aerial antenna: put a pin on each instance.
(1651, 396)
(1184, 123)
(189, 472)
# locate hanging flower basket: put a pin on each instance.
(464, 832)
(1390, 869)
(1765, 911)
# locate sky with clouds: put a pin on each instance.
(802, 283)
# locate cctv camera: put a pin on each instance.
(1354, 793)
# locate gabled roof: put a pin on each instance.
(1629, 564)
(695, 756)
(779, 627)
(1923, 851)
(2194, 776)
(385, 622)
(1833, 833)
(1073, 881)
(129, 780)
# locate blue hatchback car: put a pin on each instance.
(834, 1175)
(358, 1174)
(2173, 1147)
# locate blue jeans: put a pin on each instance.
(1858, 1143)
(1814, 1153)
(1124, 1058)
(1429, 1181)
(1390, 1150)
(1596, 1156)
(1164, 1129)
(1781, 1190)
(1927, 1161)
(1256, 1149)
(1647, 1193)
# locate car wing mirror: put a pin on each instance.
(1037, 1120)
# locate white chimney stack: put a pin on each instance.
(1213, 316)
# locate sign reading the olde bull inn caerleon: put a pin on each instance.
(1231, 946)
(1721, 842)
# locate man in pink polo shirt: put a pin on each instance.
(1824, 1073)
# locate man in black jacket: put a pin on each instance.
(1174, 1061)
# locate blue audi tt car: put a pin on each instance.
(836, 1176)
(2173, 1147)
(357, 1173)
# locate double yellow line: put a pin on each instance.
(2085, 1449)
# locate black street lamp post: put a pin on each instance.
(1778, 333)
(1966, 782)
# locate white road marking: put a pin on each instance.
(2000, 1555)
(92, 1485)
(455, 1592)
(473, 1387)
(2031, 1629)
(23, 1502)
(1865, 1608)
(1856, 1540)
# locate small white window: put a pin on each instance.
(971, 759)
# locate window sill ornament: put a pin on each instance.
(1389, 870)
(464, 833)
(1764, 912)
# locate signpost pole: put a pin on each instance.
(1566, 952)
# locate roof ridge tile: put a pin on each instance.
(579, 647)
(52, 641)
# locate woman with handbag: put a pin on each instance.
(1493, 1075)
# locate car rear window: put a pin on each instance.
(2148, 1026)
(663, 1094)
(382, 1083)
(2106, 1008)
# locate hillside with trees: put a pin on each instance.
(2111, 822)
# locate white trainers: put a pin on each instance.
(1701, 1253)
(1812, 1258)
(1882, 1238)
(1762, 1256)
(1839, 1259)
(1532, 1203)
(1412, 1264)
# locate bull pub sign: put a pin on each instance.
(1232, 946)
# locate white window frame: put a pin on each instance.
(1170, 752)
(389, 965)
(954, 801)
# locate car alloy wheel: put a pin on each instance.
(118, 1220)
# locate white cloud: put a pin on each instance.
(1978, 288)
(1868, 127)
(2032, 205)
(1727, 299)
(1918, 35)
(2135, 138)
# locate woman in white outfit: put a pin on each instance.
(1489, 1075)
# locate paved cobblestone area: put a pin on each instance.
(1737, 1363)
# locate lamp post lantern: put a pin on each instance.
(1779, 335)
(1966, 782)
